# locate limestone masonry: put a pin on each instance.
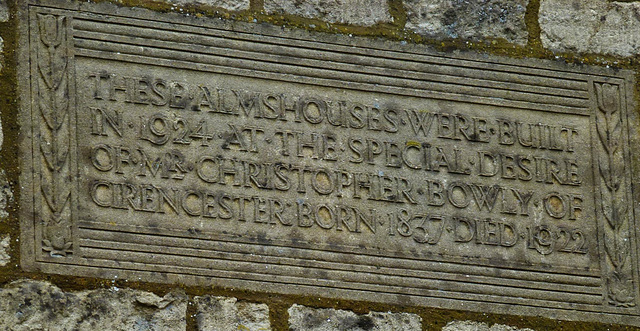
(319, 165)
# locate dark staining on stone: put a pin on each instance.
(449, 21)
(365, 322)
(322, 274)
(262, 238)
(97, 307)
(194, 231)
(313, 319)
(449, 17)
(509, 31)
(576, 4)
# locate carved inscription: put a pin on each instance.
(165, 149)
(410, 175)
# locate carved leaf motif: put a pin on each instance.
(620, 290)
(613, 204)
(45, 103)
(47, 152)
(601, 126)
(55, 196)
(53, 105)
(58, 66)
(55, 152)
(607, 210)
(54, 139)
(57, 246)
(617, 171)
(61, 100)
(44, 66)
(616, 122)
(611, 250)
(50, 29)
(618, 251)
(608, 118)
(605, 173)
(618, 213)
(52, 59)
(623, 251)
(607, 95)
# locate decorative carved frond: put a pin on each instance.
(53, 104)
(613, 196)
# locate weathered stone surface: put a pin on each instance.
(6, 195)
(303, 318)
(1, 133)
(259, 158)
(479, 326)
(4, 11)
(4, 250)
(234, 5)
(1, 62)
(591, 26)
(223, 313)
(474, 20)
(35, 305)
(1, 66)
(356, 12)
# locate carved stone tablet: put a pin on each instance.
(174, 149)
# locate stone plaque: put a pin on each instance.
(175, 149)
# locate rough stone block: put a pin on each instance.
(1, 65)
(479, 326)
(4, 251)
(303, 318)
(6, 194)
(590, 26)
(468, 19)
(4, 11)
(35, 305)
(221, 313)
(356, 12)
(1, 134)
(233, 5)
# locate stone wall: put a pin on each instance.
(595, 32)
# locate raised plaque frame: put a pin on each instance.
(63, 232)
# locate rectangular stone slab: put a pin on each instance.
(166, 148)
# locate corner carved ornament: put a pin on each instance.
(53, 134)
(613, 192)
